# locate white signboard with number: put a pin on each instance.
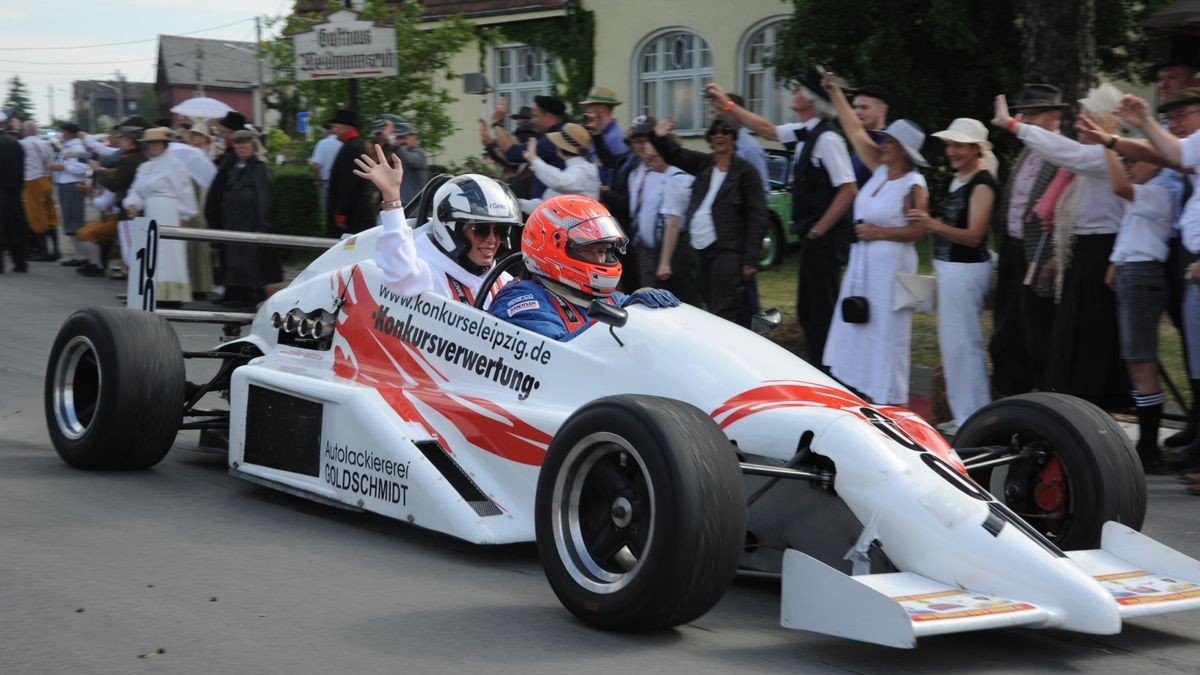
(143, 262)
(345, 48)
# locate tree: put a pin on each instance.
(949, 58)
(18, 103)
(147, 103)
(421, 52)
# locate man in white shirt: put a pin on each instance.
(323, 154)
(654, 193)
(70, 177)
(823, 190)
(39, 188)
(579, 176)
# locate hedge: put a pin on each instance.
(295, 204)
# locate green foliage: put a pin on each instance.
(147, 103)
(569, 38)
(17, 102)
(1124, 49)
(295, 202)
(422, 50)
(277, 140)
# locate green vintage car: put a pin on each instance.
(778, 237)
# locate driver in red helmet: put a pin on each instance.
(570, 245)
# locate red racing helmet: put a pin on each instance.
(574, 241)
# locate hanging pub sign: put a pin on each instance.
(345, 48)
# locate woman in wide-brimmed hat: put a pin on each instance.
(963, 264)
(572, 144)
(162, 190)
(873, 357)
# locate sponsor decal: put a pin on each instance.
(348, 245)
(525, 306)
(404, 377)
(365, 473)
(1139, 587)
(956, 604)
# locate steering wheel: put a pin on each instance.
(511, 261)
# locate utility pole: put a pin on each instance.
(120, 96)
(50, 103)
(260, 98)
(199, 71)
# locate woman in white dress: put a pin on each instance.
(873, 358)
(162, 190)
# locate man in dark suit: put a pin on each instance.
(349, 209)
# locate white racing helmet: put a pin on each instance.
(466, 199)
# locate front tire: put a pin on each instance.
(1084, 473)
(114, 389)
(640, 513)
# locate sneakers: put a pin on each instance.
(90, 270)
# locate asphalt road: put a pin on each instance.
(183, 569)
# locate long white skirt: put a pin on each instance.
(171, 281)
(874, 357)
(961, 288)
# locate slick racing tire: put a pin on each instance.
(1083, 473)
(640, 513)
(114, 389)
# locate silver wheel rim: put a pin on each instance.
(767, 256)
(589, 508)
(77, 380)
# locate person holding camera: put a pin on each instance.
(599, 121)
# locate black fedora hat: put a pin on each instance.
(233, 120)
(810, 80)
(1178, 50)
(522, 115)
(1039, 96)
(347, 117)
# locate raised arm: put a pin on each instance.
(672, 153)
(1117, 179)
(866, 147)
(721, 103)
(1135, 111)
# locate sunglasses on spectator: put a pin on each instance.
(1179, 116)
(723, 130)
(482, 230)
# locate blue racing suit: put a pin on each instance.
(532, 306)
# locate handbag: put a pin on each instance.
(857, 308)
(917, 292)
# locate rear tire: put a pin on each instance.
(1102, 478)
(640, 513)
(114, 389)
(773, 245)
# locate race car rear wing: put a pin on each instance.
(1143, 577)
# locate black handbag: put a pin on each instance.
(856, 308)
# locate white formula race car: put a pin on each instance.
(651, 459)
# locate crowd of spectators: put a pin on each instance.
(1086, 238)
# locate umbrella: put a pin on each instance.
(201, 106)
(1182, 16)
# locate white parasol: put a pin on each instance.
(201, 107)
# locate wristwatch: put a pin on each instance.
(1112, 141)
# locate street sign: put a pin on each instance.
(302, 122)
(345, 48)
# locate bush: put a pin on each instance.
(295, 204)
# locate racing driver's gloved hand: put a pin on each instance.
(650, 297)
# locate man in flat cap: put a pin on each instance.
(599, 121)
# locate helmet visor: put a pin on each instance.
(596, 240)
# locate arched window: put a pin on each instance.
(764, 92)
(671, 68)
(520, 72)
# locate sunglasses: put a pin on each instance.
(724, 131)
(482, 230)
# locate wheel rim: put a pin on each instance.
(769, 244)
(1040, 490)
(76, 387)
(603, 513)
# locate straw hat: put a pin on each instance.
(157, 134)
(202, 129)
(571, 138)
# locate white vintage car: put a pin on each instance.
(652, 458)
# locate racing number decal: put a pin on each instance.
(147, 262)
